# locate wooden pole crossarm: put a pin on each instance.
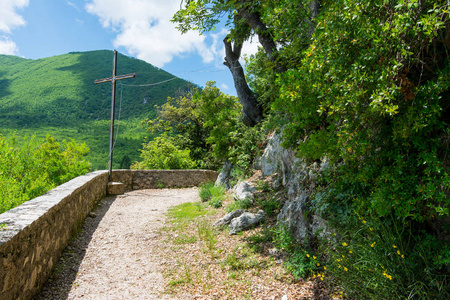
(113, 80)
(132, 75)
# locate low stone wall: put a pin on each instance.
(154, 179)
(37, 231)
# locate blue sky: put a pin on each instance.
(138, 28)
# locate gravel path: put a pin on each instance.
(113, 256)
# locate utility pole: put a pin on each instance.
(113, 79)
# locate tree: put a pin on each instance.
(207, 123)
(245, 19)
(251, 109)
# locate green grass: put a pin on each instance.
(208, 234)
(96, 136)
(213, 194)
(187, 212)
(205, 191)
(239, 204)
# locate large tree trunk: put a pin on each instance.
(251, 110)
(253, 19)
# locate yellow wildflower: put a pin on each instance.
(344, 244)
(373, 244)
(345, 269)
(387, 275)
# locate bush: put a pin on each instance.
(35, 167)
(270, 206)
(213, 194)
(216, 202)
(162, 153)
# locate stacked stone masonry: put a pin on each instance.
(36, 232)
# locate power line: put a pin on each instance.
(173, 78)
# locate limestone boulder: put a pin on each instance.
(243, 190)
(246, 221)
(228, 218)
(224, 176)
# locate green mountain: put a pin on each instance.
(57, 96)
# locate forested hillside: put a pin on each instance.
(57, 96)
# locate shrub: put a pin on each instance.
(385, 259)
(212, 193)
(35, 167)
(270, 205)
(162, 153)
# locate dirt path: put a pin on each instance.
(113, 257)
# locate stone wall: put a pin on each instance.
(36, 232)
(153, 179)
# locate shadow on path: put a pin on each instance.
(69, 263)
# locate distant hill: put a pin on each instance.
(57, 96)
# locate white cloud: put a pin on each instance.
(143, 27)
(223, 86)
(9, 19)
(7, 46)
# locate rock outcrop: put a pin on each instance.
(224, 176)
(299, 179)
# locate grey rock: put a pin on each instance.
(297, 216)
(224, 176)
(294, 217)
(228, 217)
(298, 178)
(246, 221)
(277, 159)
(243, 190)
